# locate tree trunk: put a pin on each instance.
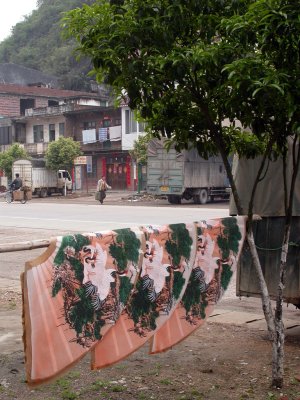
(278, 343)
(265, 298)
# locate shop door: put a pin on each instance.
(116, 176)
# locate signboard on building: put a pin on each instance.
(81, 160)
(89, 164)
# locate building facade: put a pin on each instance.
(35, 116)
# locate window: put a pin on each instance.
(38, 133)
(25, 104)
(89, 125)
(20, 133)
(52, 103)
(131, 125)
(61, 129)
(5, 135)
(106, 123)
(51, 132)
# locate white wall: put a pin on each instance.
(45, 122)
(128, 139)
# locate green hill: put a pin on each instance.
(37, 43)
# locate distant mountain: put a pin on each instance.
(36, 43)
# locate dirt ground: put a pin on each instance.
(219, 361)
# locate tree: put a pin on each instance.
(36, 42)
(188, 66)
(61, 154)
(14, 152)
(140, 146)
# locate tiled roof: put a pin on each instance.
(11, 73)
(44, 92)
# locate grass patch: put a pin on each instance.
(166, 382)
(99, 385)
(73, 375)
(68, 395)
(62, 383)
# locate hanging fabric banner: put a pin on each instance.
(110, 292)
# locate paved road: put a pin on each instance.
(90, 217)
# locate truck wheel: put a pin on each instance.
(203, 196)
(177, 200)
(43, 193)
(172, 199)
(196, 199)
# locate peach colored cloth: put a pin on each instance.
(110, 292)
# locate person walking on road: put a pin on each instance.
(102, 187)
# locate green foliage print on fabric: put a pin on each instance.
(69, 249)
(142, 310)
(230, 237)
(178, 284)
(126, 248)
(192, 293)
(178, 246)
(226, 276)
(228, 242)
(81, 313)
(180, 243)
(194, 299)
(67, 265)
(125, 288)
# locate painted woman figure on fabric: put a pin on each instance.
(215, 262)
(204, 257)
(162, 275)
(95, 276)
(154, 271)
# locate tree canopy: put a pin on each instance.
(222, 76)
(139, 151)
(193, 69)
(14, 152)
(61, 153)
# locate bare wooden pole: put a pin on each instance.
(20, 246)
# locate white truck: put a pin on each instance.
(41, 180)
(185, 175)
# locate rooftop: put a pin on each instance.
(20, 90)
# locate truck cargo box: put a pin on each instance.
(41, 180)
(184, 175)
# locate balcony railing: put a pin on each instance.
(4, 147)
(36, 148)
(54, 110)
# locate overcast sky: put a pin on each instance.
(12, 12)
